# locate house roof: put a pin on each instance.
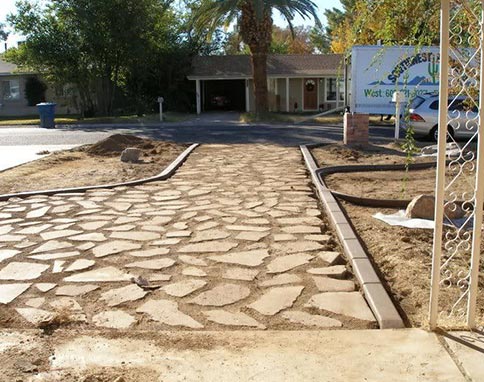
(7, 68)
(278, 65)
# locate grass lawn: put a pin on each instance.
(70, 119)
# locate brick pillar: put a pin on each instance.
(355, 129)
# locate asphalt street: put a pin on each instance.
(202, 132)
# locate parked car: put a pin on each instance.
(220, 101)
(463, 116)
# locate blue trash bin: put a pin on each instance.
(47, 114)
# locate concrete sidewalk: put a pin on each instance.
(358, 355)
(12, 156)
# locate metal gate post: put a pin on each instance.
(478, 196)
(441, 165)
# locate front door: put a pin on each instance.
(310, 94)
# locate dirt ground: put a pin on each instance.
(403, 256)
(91, 165)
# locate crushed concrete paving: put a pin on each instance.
(231, 240)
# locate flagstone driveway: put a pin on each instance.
(234, 239)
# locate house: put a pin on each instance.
(13, 101)
(296, 83)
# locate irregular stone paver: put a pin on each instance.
(80, 265)
(232, 319)
(107, 274)
(22, 271)
(45, 287)
(248, 258)
(297, 246)
(252, 236)
(307, 319)
(221, 295)
(95, 236)
(351, 304)
(150, 252)
(7, 253)
(286, 263)
(54, 256)
(52, 245)
(330, 257)
(236, 273)
(183, 288)
(137, 236)
(337, 271)
(152, 264)
(193, 271)
(209, 235)
(75, 290)
(326, 284)
(115, 319)
(9, 292)
(114, 247)
(282, 279)
(276, 299)
(59, 234)
(34, 315)
(191, 260)
(118, 296)
(167, 312)
(35, 302)
(221, 220)
(218, 246)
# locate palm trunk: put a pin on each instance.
(259, 71)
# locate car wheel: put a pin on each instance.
(434, 134)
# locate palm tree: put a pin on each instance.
(254, 21)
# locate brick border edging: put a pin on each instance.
(377, 297)
(165, 174)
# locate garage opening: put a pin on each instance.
(224, 95)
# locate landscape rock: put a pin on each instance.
(130, 154)
(423, 207)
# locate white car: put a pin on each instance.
(423, 116)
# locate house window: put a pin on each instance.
(10, 90)
(330, 89)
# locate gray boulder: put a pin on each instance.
(423, 207)
(131, 154)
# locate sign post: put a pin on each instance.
(160, 101)
(398, 98)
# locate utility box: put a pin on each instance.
(47, 114)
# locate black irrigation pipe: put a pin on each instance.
(370, 202)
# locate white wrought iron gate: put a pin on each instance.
(456, 261)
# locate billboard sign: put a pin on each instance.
(377, 72)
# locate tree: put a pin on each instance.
(117, 52)
(254, 20)
(3, 33)
(365, 22)
(284, 41)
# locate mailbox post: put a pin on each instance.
(398, 98)
(160, 101)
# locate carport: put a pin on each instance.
(223, 95)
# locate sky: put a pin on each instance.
(8, 6)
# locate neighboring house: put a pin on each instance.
(12, 94)
(295, 82)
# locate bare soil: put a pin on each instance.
(402, 256)
(91, 165)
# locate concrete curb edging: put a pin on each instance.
(373, 290)
(165, 174)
